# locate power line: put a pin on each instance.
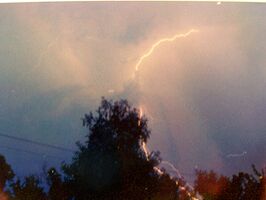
(30, 152)
(36, 142)
(42, 144)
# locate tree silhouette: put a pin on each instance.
(112, 164)
(57, 188)
(6, 172)
(210, 185)
(241, 186)
(6, 175)
(29, 189)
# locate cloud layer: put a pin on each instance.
(204, 94)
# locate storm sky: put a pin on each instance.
(204, 95)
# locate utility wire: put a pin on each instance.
(36, 142)
(40, 144)
(30, 152)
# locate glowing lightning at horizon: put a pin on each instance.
(173, 168)
(157, 169)
(160, 172)
(143, 144)
(156, 44)
(236, 154)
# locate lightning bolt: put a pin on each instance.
(160, 172)
(158, 43)
(173, 167)
(136, 78)
(236, 154)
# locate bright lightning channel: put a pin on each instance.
(158, 43)
(143, 144)
(160, 172)
(236, 154)
(173, 167)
